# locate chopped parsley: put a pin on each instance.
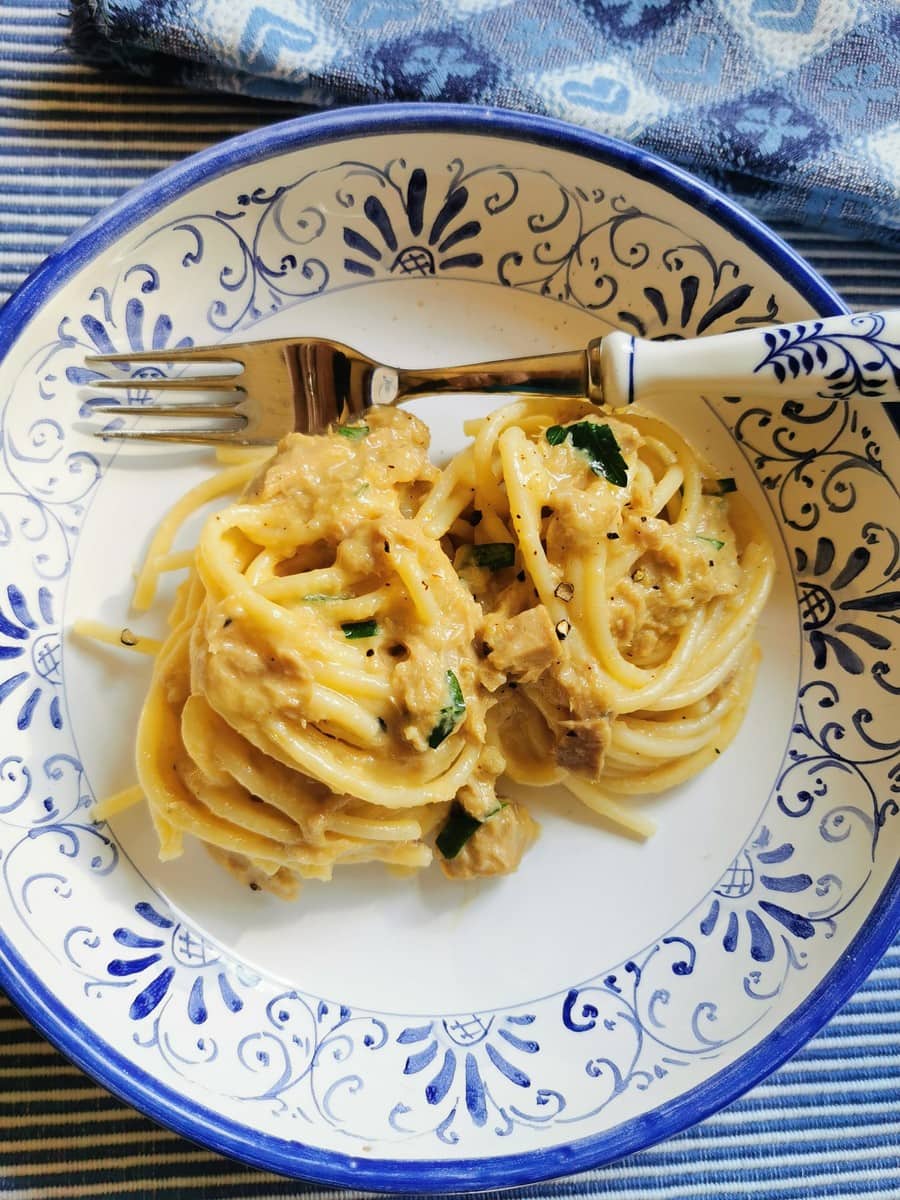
(459, 827)
(493, 555)
(599, 446)
(450, 715)
(319, 597)
(716, 543)
(353, 431)
(719, 487)
(359, 629)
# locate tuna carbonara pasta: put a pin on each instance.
(367, 647)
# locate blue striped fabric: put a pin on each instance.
(826, 1125)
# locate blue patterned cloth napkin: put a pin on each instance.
(792, 105)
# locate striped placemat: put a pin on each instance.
(826, 1125)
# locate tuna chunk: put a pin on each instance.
(496, 847)
(582, 745)
(524, 646)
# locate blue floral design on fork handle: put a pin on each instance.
(831, 359)
(851, 356)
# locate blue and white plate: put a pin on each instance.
(417, 1035)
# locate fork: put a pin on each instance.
(273, 387)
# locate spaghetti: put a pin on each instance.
(366, 644)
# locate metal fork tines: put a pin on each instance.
(230, 405)
(266, 389)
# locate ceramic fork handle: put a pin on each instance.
(833, 358)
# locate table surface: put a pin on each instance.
(827, 1124)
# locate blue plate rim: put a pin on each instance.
(79, 1043)
(299, 132)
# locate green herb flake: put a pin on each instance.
(321, 597)
(458, 828)
(599, 446)
(359, 629)
(716, 543)
(353, 431)
(450, 715)
(493, 555)
(719, 487)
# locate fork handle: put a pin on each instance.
(829, 357)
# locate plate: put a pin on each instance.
(413, 1036)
